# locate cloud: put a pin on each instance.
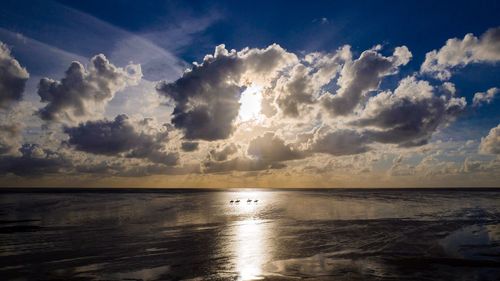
(265, 152)
(120, 138)
(488, 97)
(13, 78)
(339, 142)
(361, 76)
(459, 53)
(188, 146)
(409, 115)
(34, 161)
(10, 138)
(239, 164)
(207, 96)
(491, 143)
(302, 85)
(271, 148)
(84, 92)
(224, 153)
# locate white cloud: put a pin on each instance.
(491, 143)
(83, 93)
(459, 53)
(485, 97)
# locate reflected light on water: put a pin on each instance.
(251, 235)
(251, 248)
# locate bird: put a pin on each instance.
(232, 201)
(237, 201)
(255, 200)
(249, 200)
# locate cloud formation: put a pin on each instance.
(411, 114)
(485, 97)
(361, 76)
(458, 53)
(10, 138)
(207, 96)
(223, 153)
(13, 78)
(339, 142)
(264, 152)
(120, 138)
(271, 148)
(302, 85)
(34, 161)
(491, 143)
(84, 92)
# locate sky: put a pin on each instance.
(221, 94)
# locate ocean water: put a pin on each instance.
(285, 235)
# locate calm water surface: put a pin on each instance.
(286, 235)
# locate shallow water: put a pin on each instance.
(200, 235)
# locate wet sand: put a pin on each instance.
(287, 234)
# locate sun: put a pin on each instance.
(250, 102)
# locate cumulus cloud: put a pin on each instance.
(459, 53)
(361, 76)
(223, 153)
(207, 96)
(302, 85)
(10, 138)
(84, 92)
(271, 148)
(264, 152)
(409, 115)
(491, 143)
(33, 161)
(13, 78)
(485, 97)
(339, 142)
(119, 137)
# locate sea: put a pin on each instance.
(249, 234)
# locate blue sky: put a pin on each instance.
(165, 37)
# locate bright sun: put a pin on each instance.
(250, 102)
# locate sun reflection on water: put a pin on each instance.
(251, 249)
(251, 237)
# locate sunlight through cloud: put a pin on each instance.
(250, 101)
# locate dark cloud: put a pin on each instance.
(13, 78)
(188, 146)
(411, 114)
(83, 92)
(34, 161)
(459, 53)
(119, 138)
(207, 96)
(339, 142)
(361, 76)
(266, 152)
